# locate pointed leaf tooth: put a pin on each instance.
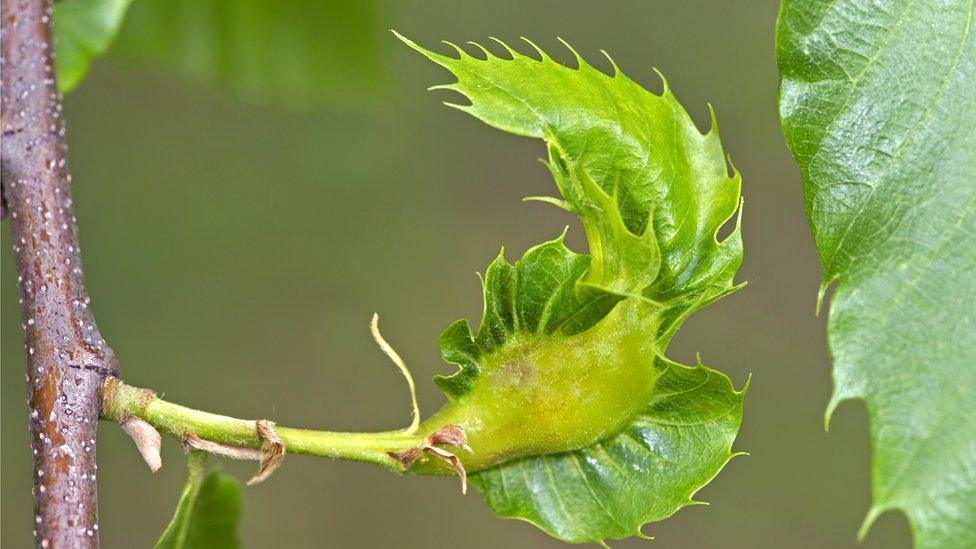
(666, 88)
(451, 87)
(580, 62)
(461, 53)
(488, 54)
(515, 55)
(543, 57)
(613, 64)
(561, 204)
(463, 108)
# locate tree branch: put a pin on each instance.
(67, 359)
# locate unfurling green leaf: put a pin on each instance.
(207, 514)
(578, 422)
(83, 30)
(878, 104)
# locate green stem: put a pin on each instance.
(121, 401)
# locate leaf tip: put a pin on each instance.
(442, 60)
(404, 39)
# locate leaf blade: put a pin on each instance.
(608, 481)
(886, 151)
(579, 369)
(207, 513)
(654, 139)
(83, 30)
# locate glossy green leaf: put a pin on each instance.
(83, 30)
(207, 514)
(643, 474)
(878, 103)
(579, 423)
(295, 52)
(541, 294)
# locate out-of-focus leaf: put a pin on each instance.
(207, 514)
(83, 30)
(878, 103)
(295, 52)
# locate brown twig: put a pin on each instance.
(67, 359)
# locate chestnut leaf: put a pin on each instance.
(878, 103)
(578, 421)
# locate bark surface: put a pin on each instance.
(67, 359)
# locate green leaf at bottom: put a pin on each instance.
(644, 474)
(207, 514)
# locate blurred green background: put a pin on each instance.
(235, 252)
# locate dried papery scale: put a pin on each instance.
(449, 435)
(147, 439)
(67, 359)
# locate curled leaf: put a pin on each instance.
(579, 423)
